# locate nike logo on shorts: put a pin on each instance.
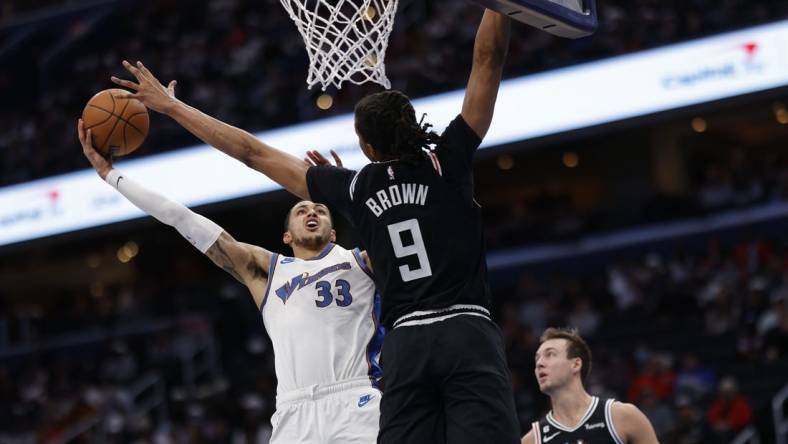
(362, 401)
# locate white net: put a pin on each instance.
(346, 40)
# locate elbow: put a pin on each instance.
(492, 56)
(238, 145)
(491, 48)
(247, 154)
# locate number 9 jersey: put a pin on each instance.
(420, 226)
(322, 315)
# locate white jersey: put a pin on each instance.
(322, 315)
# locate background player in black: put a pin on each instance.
(445, 373)
(563, 363)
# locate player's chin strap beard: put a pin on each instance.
(310, 242)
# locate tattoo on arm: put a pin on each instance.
(237, 259)
(219, 255)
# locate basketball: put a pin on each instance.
(119, 125)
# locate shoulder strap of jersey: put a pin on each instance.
(537, 432)
(436, 163)
(609, 421)
(362, 263)
(271, 269)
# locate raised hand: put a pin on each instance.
(101, 164)
(148, 90)
(314, 158)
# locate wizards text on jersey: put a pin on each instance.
(304, 279)
(404, 193)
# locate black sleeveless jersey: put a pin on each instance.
(596, 427)
(420, 225)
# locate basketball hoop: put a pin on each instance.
(346, 40)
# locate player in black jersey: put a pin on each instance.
(563, 363)
(445, 373)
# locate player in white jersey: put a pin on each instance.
(320, 308)
(322, 316)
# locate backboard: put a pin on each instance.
(564, 18)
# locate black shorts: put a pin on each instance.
(447, 382)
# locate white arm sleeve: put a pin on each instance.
(198, 230)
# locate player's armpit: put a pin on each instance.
(528, 438)
(489, 54)
(247, 263)
(632, 425)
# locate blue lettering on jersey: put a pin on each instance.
(304, 279)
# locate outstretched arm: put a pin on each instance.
(247, 263)
(489, 55)
(284, 169)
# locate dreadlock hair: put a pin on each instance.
(387, 121)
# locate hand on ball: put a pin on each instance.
(149, 90)
(102, 165)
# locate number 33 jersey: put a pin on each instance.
(322, 315)
(419, 223)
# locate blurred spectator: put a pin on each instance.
(770, 318)
(658, 412)
(689, 427)
(584, 317)
(729, 413)
(624, 288)
(538, 303)
(656, 377)
(720, 315)
(775, 340)
(693, 380)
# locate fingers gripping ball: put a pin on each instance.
(118, 124)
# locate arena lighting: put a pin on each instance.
(674, 76)
(571, 159)
(324, 101)
(505, 162)
(780, 113)
(699, 125)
